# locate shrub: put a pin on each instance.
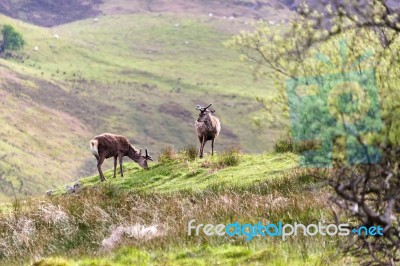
(167, 154)
(290, 145)
(230, 157)
(189, 152)
(284, 145)
(12, 40)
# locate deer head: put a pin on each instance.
(203, 112)
(142, 159)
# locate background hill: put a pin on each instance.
(49, 13)
(137, 69)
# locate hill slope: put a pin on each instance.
(50, 13)
(38, 144)
(136, 75)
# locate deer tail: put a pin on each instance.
(94, 146)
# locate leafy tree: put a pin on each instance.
(12, 40)
(311, 50)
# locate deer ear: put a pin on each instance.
(140, 152)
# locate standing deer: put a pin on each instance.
(208, 127)
(108, 145)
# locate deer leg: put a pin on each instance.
(212, 147)
(99, 163)
(120, 164)
(115, 166)
(200, 140)
(203, 142)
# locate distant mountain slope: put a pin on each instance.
(138, 75)
(49, 13)
(39, 146)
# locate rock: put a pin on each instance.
(77, 185)
(74, 189)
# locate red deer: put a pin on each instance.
(109, 145)
(208, 127)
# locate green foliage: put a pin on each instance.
(12, 40)
(271, 51)
(338, 71)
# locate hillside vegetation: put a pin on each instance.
(142, 218)
(137, 75)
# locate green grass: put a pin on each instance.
(260, 254)
(181, 175)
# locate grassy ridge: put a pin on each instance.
(183, 175)
(87, 228)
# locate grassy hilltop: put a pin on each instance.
(142, 218)
(138, 75)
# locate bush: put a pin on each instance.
(290, 145)
(167, 154)
(284, 145)
(230, 157)
(189, 152)
(12, 40)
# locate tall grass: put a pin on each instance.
(104, 218)
(230, 157)
(290, 145)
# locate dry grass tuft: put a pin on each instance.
(167, 154)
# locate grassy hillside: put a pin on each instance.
(177, 174)
(87, 228)
(137, 75)
(34, 140)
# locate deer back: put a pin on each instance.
(112, 145)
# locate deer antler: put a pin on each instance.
(148, 157)
(198, 107)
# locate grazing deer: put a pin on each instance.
(208, 127)
(109, 145)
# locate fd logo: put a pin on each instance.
(343, 104)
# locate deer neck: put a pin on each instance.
(134, 154)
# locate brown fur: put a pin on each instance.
(109, 145)
(208, 127)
